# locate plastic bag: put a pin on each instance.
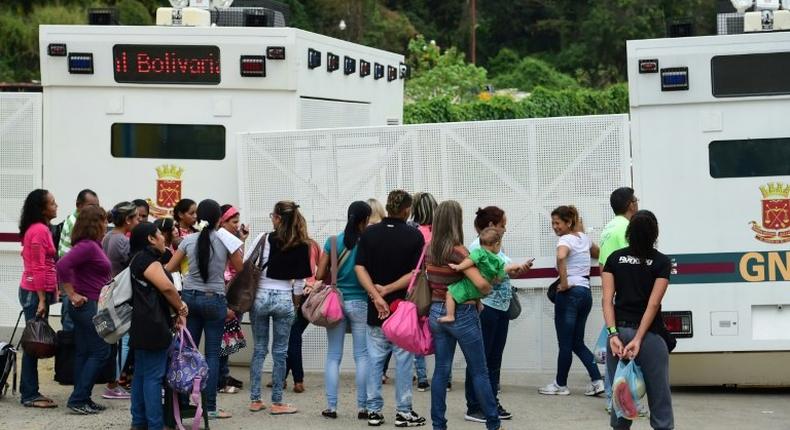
(628, 387)
(38, 339)
(600, 346)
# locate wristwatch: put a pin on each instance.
(612, 331)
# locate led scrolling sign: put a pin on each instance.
(166, 64)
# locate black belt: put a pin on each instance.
(628, 324)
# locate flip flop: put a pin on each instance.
(40, 403)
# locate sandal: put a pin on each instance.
(257, 405)
(229, 389)
(219, 414)
(41, 403)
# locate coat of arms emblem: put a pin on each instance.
(775, 226)
(168, 190)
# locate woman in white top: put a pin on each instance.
(285, 261)
(573, 301)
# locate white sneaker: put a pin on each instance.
(554, 390)
(596, 388)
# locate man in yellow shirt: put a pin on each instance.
(624, 204)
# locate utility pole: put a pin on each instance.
(473, 48)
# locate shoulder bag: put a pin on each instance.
(514, 309)
(323, 306)
(420, 295)
(243, 287)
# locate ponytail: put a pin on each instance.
(568, 214)
(642, 233)
(292, 230)
(357, 212)
(208, 214)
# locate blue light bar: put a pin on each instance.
(81, 63)
(675, 79)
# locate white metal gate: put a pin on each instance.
(527, 167)
(20, 173)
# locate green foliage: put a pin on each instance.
(299, 17)
(19, 39)
(503, 61)
(441, 74)
(368, 22)
(132, 12)
(529, 73)
(541, 103)
(388, 30)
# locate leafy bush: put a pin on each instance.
(437, 74)
(542, 103)
(132, 12)
(529, 73)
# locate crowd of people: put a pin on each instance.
(180, 268)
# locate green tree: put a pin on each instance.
(528, 73)
(19, 39)
(441, 74)
(132, 12)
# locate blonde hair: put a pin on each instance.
(448, 231)
(292, 230)
(377, 211)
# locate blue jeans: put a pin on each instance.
(279, 307)
(91, 354)
(293, 362)
(355, 312)
(65, 313)
(28, 384)
(466, 332)
(124, 353)
(494, 325)
(420, 368)
(378, 349)
(149, 372)
(207, 313)
(570, 316)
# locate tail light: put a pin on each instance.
(679, 323)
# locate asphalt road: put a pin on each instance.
(694, 409)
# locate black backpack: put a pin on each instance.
(8, 362)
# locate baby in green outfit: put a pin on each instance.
(491, 267)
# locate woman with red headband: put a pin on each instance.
(230, 223)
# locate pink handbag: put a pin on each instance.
(324, 306)
(406, 328)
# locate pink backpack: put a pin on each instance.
(405, 327)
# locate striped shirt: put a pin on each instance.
(439, 277)
(64, 245)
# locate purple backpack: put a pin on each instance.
(187, 372)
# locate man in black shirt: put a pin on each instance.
(386, 255)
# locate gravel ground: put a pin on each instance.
(694, 409)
